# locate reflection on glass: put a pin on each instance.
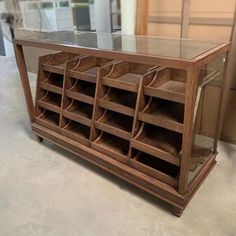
(206, 113)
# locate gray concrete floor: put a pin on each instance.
(47, 191)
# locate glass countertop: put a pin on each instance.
(143, 45)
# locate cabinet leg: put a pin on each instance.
(178, 211)
(40, 139)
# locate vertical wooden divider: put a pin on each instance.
(190, 97)
(140, 104)
(99, 93)
(42, 60)
(68, 66)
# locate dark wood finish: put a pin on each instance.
(134, 118)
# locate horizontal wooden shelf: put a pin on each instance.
(87, 68)
(111, 146)
(159, 142)
(120, 101)
(126, 75)
(157, 168)
(115, 124)
(77, 132)
(79, 112)
(50, 87)
(163, 113)
(50, 101)
(166, 86)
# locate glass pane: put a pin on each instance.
(163, 47)
(207, 111)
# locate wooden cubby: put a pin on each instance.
(126, 75)
(119, 100)
(130, 112)
(159, 142)
(112, 146)
(164, 113)
(115, 123)
(168, 84)
(156, 167)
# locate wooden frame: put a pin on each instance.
(176, 190)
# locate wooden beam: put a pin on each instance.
(185, 18)
(229, 21)
(142, 17)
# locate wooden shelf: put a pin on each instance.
(88, 67)
(79, 112)
(48, 119)
(82, 91)
(164, 113)
(126, 75)
(53, 82)
(77, 132)
(56, 62)
(115, 124)
(112, 146)
(167, 85)
(119, 101)
(159, 142)
(156, 167)
(50, 101)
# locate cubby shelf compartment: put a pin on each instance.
(77, 132)
(164, 113)
(82, 91)
(53, 82)
(50, 101)
(56, 62)
(159, 142)
(155, 167)
(111, 146)
(115, 124)
(169, 84)
(48, 119)
(119, 101)
(126, 75)
(88, 67)
(79, 112)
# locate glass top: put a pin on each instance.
(146, 45)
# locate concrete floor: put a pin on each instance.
(47, 191)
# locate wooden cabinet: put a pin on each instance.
(135, 114)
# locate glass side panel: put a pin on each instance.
(153, 46)
(207, 112)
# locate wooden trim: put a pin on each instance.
(185, 18)
(192, 20)
(139, 58)
(142, 17)
(191, 88)
(25, 81)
